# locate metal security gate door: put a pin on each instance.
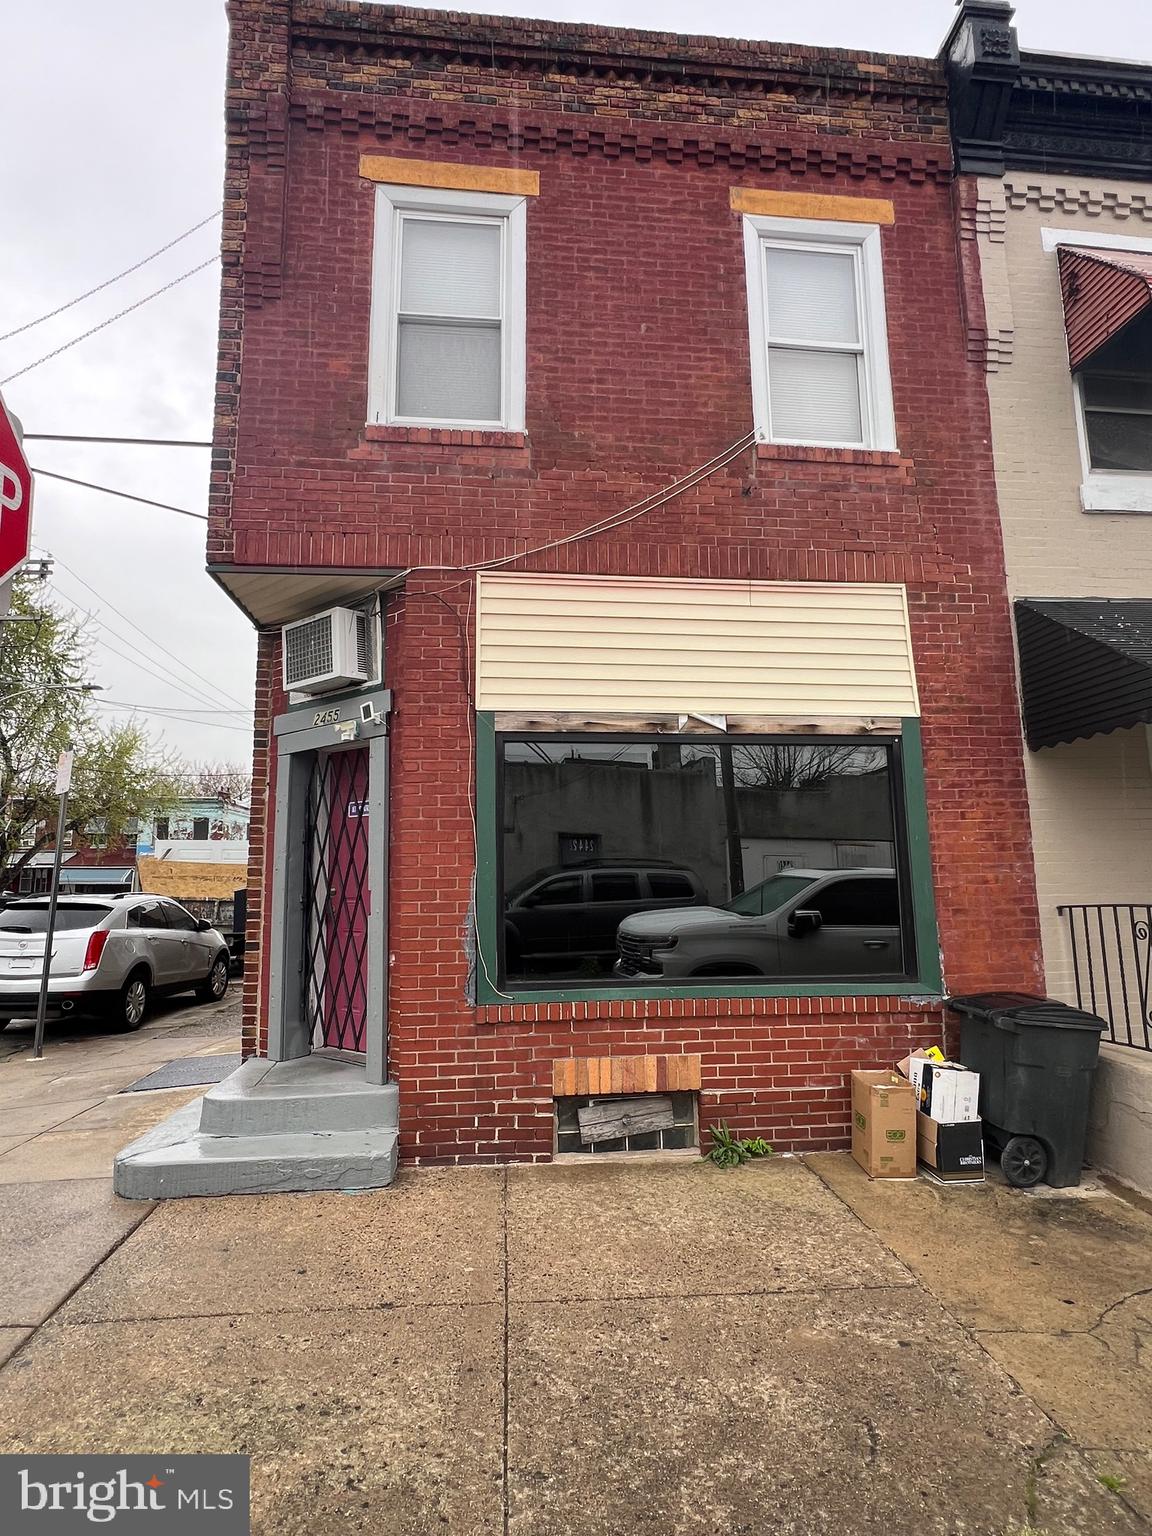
(337, 900)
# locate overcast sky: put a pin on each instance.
(111, 114)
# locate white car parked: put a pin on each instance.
(110, 956)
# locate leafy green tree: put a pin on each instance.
(119, 773)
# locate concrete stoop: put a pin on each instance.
(1120, 1124)
(269, 1128)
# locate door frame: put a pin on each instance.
(344, 720)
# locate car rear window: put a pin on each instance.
(34, 919)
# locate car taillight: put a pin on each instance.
(96, 943)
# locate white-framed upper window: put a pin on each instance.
(1112, 395)
(448, 309)
(1114, 391)
(818, 333)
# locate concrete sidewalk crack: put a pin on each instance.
(319, 1308)
(1122, 1301)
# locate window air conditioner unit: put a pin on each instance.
(327, 651)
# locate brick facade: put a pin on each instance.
(638, 370)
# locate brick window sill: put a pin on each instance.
(791, 453)
(458, 445)
(444, 437)
(540, 1006)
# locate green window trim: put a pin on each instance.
(928, 986)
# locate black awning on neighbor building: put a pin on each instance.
(1085, 666)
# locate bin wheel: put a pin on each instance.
(1024, 1161)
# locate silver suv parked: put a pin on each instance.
(804, 922)
(109, 956)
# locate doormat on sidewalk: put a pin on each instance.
(187, 1071)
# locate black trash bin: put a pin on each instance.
(1035, 1058)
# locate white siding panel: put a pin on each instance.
(760, 647)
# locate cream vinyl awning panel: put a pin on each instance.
(575, 643)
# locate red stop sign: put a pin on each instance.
(15, 499)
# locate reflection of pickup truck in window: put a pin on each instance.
(806, 922)
(574, 912)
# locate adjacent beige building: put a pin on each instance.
(1070, 531)
(1055, 161)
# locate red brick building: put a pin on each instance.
(488, 285)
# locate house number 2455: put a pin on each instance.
(326, 717)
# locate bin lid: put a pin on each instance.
(984, 1004)
(1054, 1015)
(1021, 1008)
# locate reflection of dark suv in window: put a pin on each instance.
(801, 923)
(574, 912)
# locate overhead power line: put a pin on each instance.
(108, 490)
(134, 661)
(107, 283)
(155, 294)
(148, 664)
(147, 442)
(176, 709)
(151, 639)
(140, 709)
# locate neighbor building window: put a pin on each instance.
(161, 829)
(1115, 387)
(818, 333)
(448, 300)
(200, 829)
(744, 858)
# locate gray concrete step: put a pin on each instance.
(178, 1158)
(315, 1093)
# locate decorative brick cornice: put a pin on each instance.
(1055, 198)
(667, 60)
(800, 155)
(1114, 82)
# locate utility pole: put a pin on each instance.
(63, 789)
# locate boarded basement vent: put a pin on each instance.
(652, 1123)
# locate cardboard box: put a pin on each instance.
(912, 1065)
(913, 1069)
(884, 1125)
(954, 1152)
(949, 1092)
(967, 1096)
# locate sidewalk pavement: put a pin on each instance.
(62, 1119)
(656, 1349)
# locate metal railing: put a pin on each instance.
(1111, 949)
